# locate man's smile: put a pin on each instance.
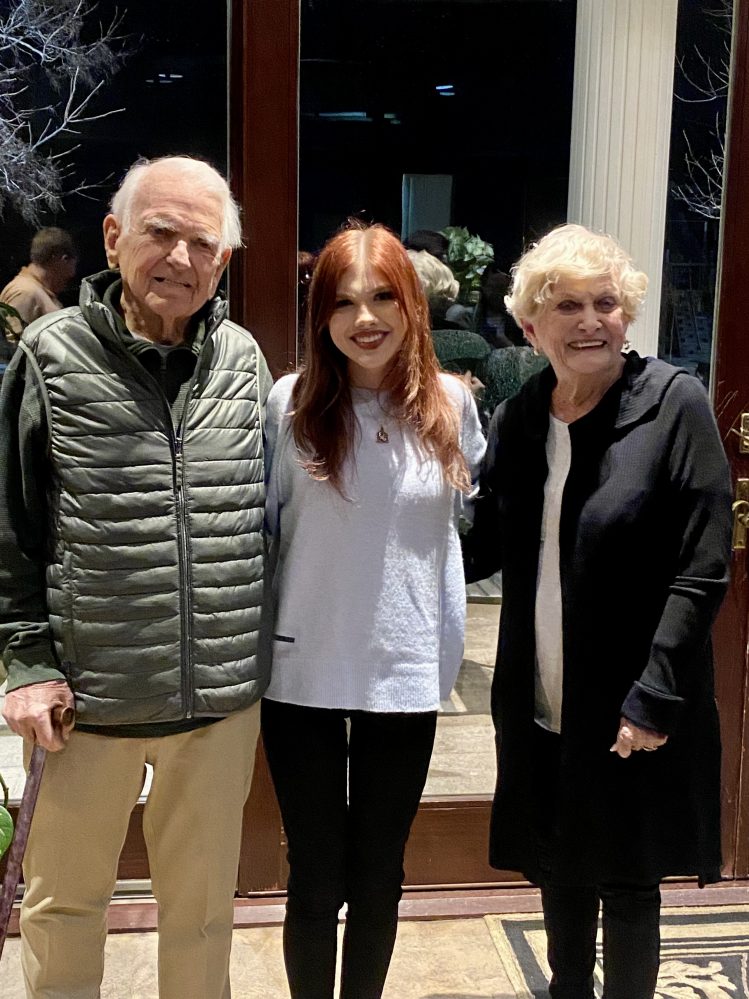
(173, 281)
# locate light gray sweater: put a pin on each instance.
(368, 590)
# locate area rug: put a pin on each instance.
(704, 953)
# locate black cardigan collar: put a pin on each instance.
(641, 386)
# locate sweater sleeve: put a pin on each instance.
(702, 515)
(473, 446)
(27, 653)
(482, 545)
(264, 379)
(277, 407)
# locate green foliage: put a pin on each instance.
(467, 256)
(6, 822)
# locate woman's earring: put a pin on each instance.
(626, 346)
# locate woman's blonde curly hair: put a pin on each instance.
(572, 252)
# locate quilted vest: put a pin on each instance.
(154, 577)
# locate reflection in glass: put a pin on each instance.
(450, 123)
(172, 89)
(695, 184)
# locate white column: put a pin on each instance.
(621, 126)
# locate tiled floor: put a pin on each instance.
(443, 959)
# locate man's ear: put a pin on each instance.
(111, 235)
(223, 260)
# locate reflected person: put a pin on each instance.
(33, 291)
(371, 452)
(605, 501)
(131, 513)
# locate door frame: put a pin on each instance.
(730, 399)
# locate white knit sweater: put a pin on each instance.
(369, 592)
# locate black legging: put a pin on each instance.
(630, 913)
(347, 806)
(631, 939)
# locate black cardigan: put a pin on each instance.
(644, 551)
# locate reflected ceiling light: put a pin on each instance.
(345, 115)
(444, 86)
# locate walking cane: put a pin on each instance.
(61, 718)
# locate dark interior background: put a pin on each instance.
(504, 136)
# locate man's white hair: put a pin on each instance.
(201, 173)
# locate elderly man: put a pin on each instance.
(33, 291)
(131, 563)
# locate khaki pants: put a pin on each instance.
(192, 826)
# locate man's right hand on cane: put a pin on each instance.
(28, 712)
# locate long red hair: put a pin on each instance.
(323, 419)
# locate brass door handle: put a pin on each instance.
(740, 508)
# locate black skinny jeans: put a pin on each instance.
(631, 913)
(347, 806)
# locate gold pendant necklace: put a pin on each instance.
(383, 437)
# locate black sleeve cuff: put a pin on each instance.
(652, 709)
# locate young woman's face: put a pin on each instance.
(367, 325)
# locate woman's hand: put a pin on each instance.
(472, 383)
(631, 737)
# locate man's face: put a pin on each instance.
(170, 258)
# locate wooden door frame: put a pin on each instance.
(263, 158)
(731, 397)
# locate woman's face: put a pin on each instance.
(581, 329)
(367, 325)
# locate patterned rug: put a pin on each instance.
(704, 953)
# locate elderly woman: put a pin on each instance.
(605, 502)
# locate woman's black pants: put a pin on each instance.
(347, 802)
(630, 912)
(631, 939)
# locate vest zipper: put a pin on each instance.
(183, 545)
(183, 540)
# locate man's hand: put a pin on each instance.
(631, 737)
(28, 712)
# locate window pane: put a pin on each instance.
(695, 184)
(425, 114)
(173, 89)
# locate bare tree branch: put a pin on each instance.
(703, 191)
(707, 81)
(52, 47)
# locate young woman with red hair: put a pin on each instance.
(371, 453)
